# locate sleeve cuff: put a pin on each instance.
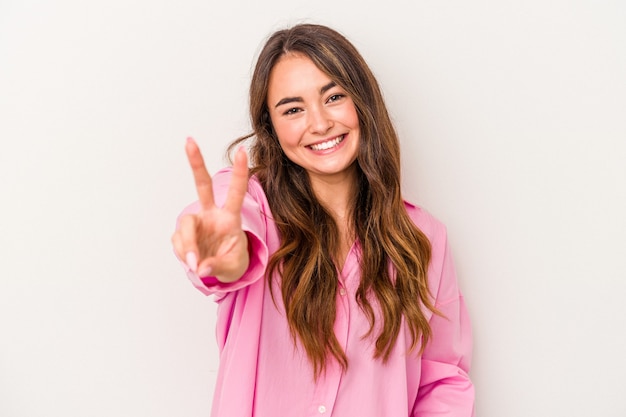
(256, 270)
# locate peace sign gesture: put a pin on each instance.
(212, 241)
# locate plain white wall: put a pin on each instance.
(513, 123)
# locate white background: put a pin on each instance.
(512, 116)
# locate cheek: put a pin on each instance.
(347, 115)
(285, 139)
(354, 117)
(288, 134)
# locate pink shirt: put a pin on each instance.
(262, 373)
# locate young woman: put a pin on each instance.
(336, 297)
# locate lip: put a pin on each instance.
(332, 148)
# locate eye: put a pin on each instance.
(292, 110)
(335, 97)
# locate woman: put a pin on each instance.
(336, 297)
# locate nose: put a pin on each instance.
(319, 120)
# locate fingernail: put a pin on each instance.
(192, 261)
(206, 272)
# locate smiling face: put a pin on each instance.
(314, 119)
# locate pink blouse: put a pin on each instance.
(263, 374)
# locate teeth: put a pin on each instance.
(327, 145)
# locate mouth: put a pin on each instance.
(327, 145)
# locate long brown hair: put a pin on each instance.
(394, 252)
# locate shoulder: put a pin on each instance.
(224, 175)
(221, 181)
(441, 271)
(255, 196)
(430, 225)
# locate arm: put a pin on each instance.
(445, 386)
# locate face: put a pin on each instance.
(315, 120)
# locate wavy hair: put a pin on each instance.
(394, 252)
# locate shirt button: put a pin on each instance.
(321, 409)
(342, 291)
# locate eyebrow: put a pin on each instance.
(288, 100)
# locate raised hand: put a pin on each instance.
(212, 242)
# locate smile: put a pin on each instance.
(328, 144)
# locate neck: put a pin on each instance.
(336, 193)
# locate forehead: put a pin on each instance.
(295, 72)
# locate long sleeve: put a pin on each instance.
(446, 389)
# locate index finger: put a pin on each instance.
(238, 183)
(204, 185)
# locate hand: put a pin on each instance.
(212, 242)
